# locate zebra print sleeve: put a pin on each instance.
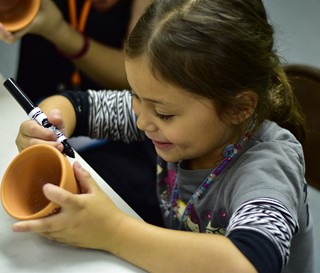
(268, 217)
(111, 116)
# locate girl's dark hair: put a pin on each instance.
(216, 49)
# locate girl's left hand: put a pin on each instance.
(88, 220)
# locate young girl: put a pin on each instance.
(210, 93)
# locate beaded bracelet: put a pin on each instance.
(81, 52)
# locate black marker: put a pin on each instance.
(36, 113)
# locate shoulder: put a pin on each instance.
(272, 165)
(273, 144)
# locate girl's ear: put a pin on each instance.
(248, 101)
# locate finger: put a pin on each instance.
(18, 34)
(42, 225)
(21, 145)
(84, 178)
(32, 133)
(32, 129)
(56, 119)
(6, 36)
(50, 224)
(61, 197)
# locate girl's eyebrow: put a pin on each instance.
(155, 101)
(151, 100)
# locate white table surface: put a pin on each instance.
(27, 252)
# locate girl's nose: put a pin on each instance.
(145, 122)
(145, 117)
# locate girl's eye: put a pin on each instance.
(163, 117)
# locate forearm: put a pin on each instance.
(102, 63)
(66, 109)
(105, 65)
(160, 250)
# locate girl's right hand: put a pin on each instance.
(31, 133)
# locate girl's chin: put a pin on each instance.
(167, 156)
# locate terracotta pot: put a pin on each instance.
(21, 189)
(6, 5)
(16, 14)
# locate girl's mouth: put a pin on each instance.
(162, 145)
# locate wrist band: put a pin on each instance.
(81, 52)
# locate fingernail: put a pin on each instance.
(17, 228)
(78, 165)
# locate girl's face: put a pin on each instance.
(181, 125)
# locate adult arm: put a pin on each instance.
(102, 63)
(138, 7)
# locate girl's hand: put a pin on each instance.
(87, 220)
(31, 133)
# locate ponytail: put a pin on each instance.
(284, 107)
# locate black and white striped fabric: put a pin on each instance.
(111, 116)
(270, 218)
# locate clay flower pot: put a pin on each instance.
(21, 189)
(16, 14)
